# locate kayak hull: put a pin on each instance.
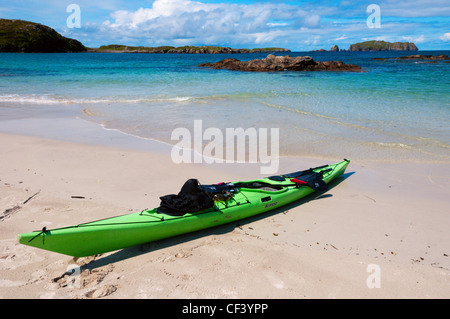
(151, 225)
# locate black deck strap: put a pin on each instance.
(311, 179)
(281, 178)
(43, 231)
(278, 178)
(300, 173)
(256, 185)
(218, 188)
(297, 174)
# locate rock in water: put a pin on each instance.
(424, 57)
(282, 63)
(334, 48)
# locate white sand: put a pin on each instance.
(391, 218)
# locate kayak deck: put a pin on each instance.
(123, 231)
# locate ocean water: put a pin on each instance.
(395, 110)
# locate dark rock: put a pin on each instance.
(417, 57)
(282, 63)
(424, 57)
(334, 48)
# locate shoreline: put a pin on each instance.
(393, 215)
(73, 123)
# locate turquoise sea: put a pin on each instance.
(394, 110)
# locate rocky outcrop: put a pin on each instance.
(282, 63)
(424, 57)
(383, 46)
(117, 48)
(334, 48)
(25, 36)
(418, 57)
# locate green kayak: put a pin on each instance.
(225, 203)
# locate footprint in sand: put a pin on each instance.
(101, 292)
(276, 282)
(88, 279)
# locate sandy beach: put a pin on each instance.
(105, 109)
(380, 232)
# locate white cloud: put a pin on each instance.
(279, 24)
(415, 8)
(292, 24)
(419, 39)
(312, 21)
(378, 38)
(342, 37)
(176, 20)
(445, 36)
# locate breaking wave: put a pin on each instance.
(52, 99)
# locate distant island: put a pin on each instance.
(25, 36)
(119, 48)
(374, 46)
(415, 57)
(383, 46)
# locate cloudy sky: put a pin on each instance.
(292, 24)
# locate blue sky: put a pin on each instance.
(296, 25)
